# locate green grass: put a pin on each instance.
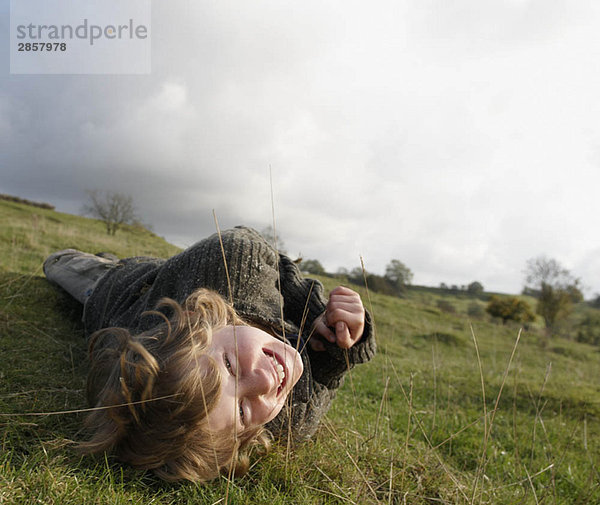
(407, 428)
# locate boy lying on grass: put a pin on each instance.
(193, 382)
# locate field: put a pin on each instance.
(449, 411)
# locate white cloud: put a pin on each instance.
(459, 137)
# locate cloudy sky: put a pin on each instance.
(459, 136)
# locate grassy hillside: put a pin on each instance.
(29, 234)
(411, 427)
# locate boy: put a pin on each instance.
(186, 390)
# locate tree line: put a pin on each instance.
(555, 289)
(394, 282)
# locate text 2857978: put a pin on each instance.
(42, 46)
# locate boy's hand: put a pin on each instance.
(342, 322)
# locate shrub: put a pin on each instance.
(312, 267)
(375, 282)
(595, 303)
(446, 306)
(588, 330)
(510, 308)
(441, 337)
(475, 310)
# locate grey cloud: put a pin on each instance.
(386, 132)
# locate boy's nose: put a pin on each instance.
(261, 381)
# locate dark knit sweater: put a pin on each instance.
(256, 272)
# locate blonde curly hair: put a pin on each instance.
(153, 392)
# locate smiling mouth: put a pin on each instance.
(280, 369)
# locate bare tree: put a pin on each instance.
(555, 287)
(273, 238)
(114, 209)
(543, 270)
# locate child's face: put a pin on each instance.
(255, 385)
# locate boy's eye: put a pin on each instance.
(241, 413)
(227, 363)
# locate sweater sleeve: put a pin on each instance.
(303, 298)
(330, 366)
(323, 375)
(304, 301)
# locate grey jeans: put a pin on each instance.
(76, 272)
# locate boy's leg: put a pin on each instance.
(76, 272)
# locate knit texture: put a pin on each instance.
(261, 284)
